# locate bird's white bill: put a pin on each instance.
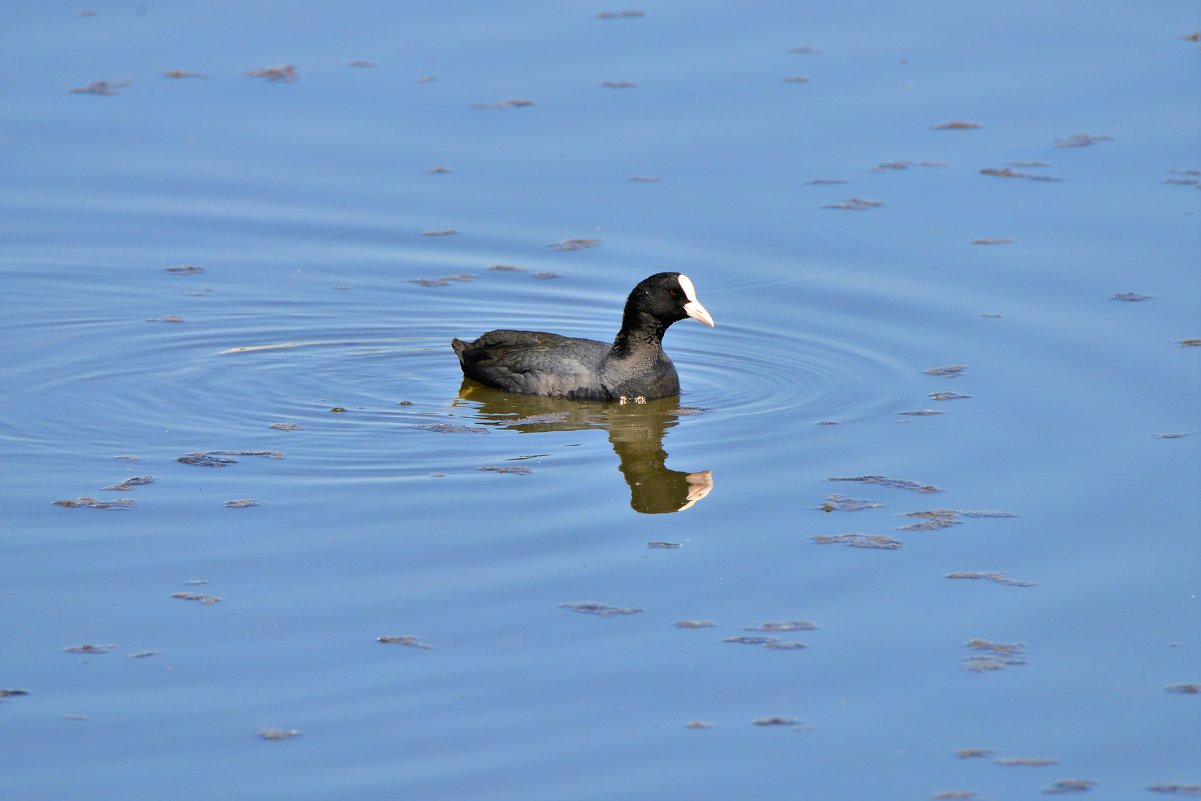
(693, 307)
(696, 311)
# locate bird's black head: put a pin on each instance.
(667, 297)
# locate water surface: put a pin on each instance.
(376, 495)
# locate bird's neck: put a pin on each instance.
(639, 332)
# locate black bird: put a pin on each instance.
(633, 369)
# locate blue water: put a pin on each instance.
(308, 204)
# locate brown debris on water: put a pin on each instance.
(698, 724)
(954, 795)
(644, 179)
(574, 244)
(287, 426)
(921, 413)
(1006, 172)
(1081, 140)
(747, 640)
(426, 79)
(1069, 786)
(956, 125)
(992, 240)
(105, 88)
(932, 520)
(785, 645)
(695, 624)
(599, 609)
(242, 503)
(404, 639)
(1026, 762)
(512, 102)
(207, 600)
(264, 454)
(441, 232)
(838, 503)
(990, 656)
(618, 84)
(886, 166)
(1131, 297)
(506, 268)
(973, 753)
(127, 457)
(795, 79)
(143, 654)
(443, 280)
(514, 470)
(166, 318)
(629, 13)
(90, 648)
(179, 74)
(452, 428)
(783, 625)
(1184, 689)
(1175, 435)
(204, 460)
(281, 73)
(776, 720)
(360, 63)
(93, 503)
(664, 546)
(439, 170)
(947, 396)
(277, 735)
(1188, 177)
(1190, 343)
(805, 50)
(130, 483)
(546, 276)
(184, 269)
(855, 204)
(997, 576)
(870, 541)
(825, 182)
(895, 483)
(222, 458)
(1169, 788)
(950, 371)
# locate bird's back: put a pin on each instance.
(535, 363)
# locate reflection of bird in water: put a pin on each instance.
(635, 431)
(632, 368)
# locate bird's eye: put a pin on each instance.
(673, 292)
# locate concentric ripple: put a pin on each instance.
(212, 360)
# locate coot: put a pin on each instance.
(634, 368)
